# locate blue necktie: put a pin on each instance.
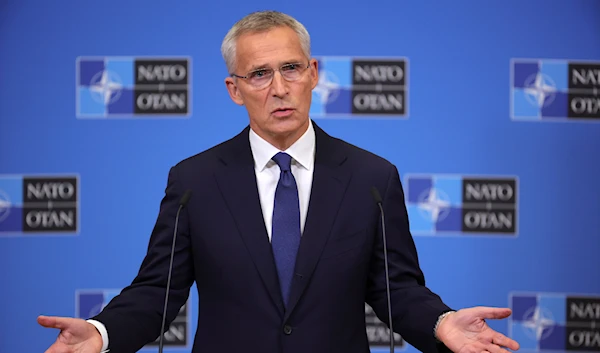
(285, 237)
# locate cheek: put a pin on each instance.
(255, 101)
(307, 96)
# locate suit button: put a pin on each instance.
(287, 329)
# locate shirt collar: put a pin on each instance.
(302, 151)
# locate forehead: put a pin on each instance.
(273, 47)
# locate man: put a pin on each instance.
(281, 234)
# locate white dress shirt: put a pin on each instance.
(267, 176)
(267, 172)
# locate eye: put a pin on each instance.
(259, 73)
(289, 67)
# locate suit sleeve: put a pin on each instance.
(415, 309)
(133, 318)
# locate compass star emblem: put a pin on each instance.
(328, 87)
(4, 205)
(540, 90)
(539, 323)
(434, 204)
(106, 87)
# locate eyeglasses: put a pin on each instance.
(261, 78)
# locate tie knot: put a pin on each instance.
(283, 160)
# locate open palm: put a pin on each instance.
(466, 331)
(76, 335)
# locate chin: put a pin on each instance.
(289, 124)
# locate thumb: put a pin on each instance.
(60, 323)
(492, 313)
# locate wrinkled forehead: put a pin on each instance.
(270, 48)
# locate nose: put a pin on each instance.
(279, 85)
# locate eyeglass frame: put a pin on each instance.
(271, 80)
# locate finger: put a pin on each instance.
(53, 349)
(492, 348)
(503, 341)
(56, 348)
(53, 322)
(477, 347)
(492, 313)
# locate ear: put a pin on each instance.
(234, 91)
(314, 73)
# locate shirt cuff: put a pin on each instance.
(102, 329)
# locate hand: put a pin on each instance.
(76, 335)
(466, 331)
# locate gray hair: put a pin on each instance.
(258, 22)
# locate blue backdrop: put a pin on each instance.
(466, 93)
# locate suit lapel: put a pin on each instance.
(330, 181)
(237, 182)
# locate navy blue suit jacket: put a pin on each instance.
(224, 247)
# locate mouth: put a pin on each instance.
(283, 111)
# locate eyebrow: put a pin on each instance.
(264, 66)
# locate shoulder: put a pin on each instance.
(362, 160)
(207, 161)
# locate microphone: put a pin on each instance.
(184, 200)
(379, 202)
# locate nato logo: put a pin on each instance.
(110, 87)
(89, 303)
(555, 322)
(555, 90)
(32, 204)
(451, 204)
(357, 87)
